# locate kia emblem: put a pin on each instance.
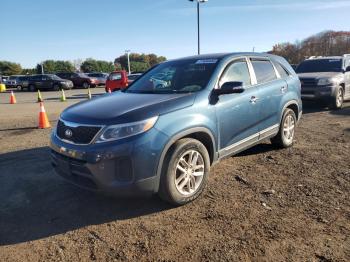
(68, 133)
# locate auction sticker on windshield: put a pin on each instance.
(206, 61)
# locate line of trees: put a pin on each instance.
(138, 63)
(327, 43)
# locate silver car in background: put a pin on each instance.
(17, 81)
(101, 78)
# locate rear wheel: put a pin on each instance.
(338, 100)
(285, 136)
(19, 88)
(185, 172)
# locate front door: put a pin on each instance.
(237, 114)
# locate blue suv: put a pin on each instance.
(162, 136)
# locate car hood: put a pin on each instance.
(120, 107)
(319, 75)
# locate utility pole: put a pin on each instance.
(198, 23)
(128, 55)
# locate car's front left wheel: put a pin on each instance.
(185, 172)
(338, 99)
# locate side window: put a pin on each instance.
(281, 70)
(115, 76)
(347, 62)
(237, 72)
(264, 71)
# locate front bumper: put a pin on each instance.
(322, 93)
(124, 168)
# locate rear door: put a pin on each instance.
(271, 90)
(114, 81)
(46, 82)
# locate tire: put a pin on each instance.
(31, 88)
(19, 88)
(285, 136)
(338, 99)
(86, 85)
(56, 87)
(178, 185)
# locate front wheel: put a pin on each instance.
(338, 100)
(56, 87)
(285, 136)
(19, 88)
(185, 172)
(86, 85)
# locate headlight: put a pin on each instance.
(116, 132)
(324, 82)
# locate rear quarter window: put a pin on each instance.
(281, 70)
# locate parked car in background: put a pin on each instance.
(133, 77)
(117, 80)
(146, 140)
(325, 79)
(17, 81)
(79, 79)
(4, 79)
(48, 82)
(101, 77)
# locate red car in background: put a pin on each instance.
(117, 80)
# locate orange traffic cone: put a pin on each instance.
(13, 98)
(43, 120)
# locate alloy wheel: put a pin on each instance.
(189, 172)
(288, 128)
(339, 99)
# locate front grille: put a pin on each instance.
(79, 134)
(308, 82)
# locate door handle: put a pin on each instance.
(253, 99)
(284, 89)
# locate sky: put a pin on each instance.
(34, 31)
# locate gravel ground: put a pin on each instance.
(261, 205)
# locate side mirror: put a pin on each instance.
(229, 88)
(347, 69)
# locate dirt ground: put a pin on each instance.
(262, 205)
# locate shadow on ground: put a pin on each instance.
(36, 203)
(314, 107)
(258, 149)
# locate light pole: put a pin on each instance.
(198, 27)
(128, 54)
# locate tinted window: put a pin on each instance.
(281, 70)
(264, 71)
(237, 72)
(320, 65)
(133, 77)
(36, 77)
(178, 76)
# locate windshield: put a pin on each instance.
(82, 75)
(320, 65)
(182, 76)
